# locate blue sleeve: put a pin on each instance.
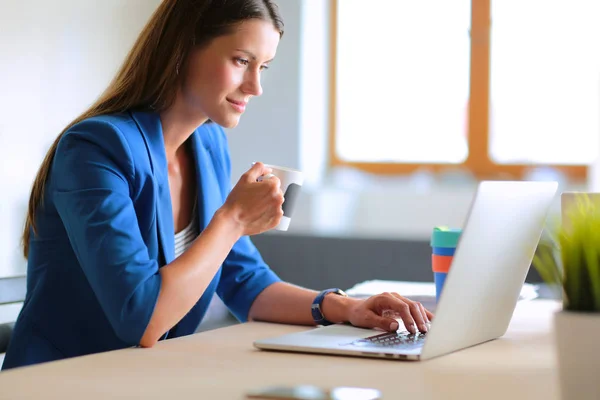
(243, 277)
(244, 274)
(91, 176)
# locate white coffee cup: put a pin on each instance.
(291, 183)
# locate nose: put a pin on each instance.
(252, 84)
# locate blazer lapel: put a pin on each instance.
(151, 128)
(209, 194)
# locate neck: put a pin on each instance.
(178, 124)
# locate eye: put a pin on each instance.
(262, 67)
(241, 61)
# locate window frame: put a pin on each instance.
(479, 161)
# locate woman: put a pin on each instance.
(148, 166)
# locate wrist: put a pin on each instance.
(225, 218)
(336, 308)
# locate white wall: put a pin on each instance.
(55, 58)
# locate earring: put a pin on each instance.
(177, 68)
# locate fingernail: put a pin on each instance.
(394, 326)
(412, 329)
(424, 328)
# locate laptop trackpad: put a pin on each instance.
(333, 335)
(339, 331)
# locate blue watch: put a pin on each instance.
(315, 309)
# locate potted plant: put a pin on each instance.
(569, 259)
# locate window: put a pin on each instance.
(435, 85)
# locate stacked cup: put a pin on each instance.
(443, 243)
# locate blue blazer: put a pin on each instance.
(105, 229)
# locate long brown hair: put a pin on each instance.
(149, 78)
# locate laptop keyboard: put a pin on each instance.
(394, 340)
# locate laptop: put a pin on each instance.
(491, 261)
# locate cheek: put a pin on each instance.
(210, 82)
(228, 78)
(221, 79)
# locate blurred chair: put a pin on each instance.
(12, 295)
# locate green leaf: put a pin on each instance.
(569, 256)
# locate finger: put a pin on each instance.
(429, 314)
(258, 169)
(272, 191)
(424, 314)
(275, 182)
(279, 199)
(265, 177)
(415, 310)
(401, 307)
(269, 221)
(372, 320)
(276, 219)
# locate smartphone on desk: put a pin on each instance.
(308, 392)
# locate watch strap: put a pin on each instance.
(316, 308)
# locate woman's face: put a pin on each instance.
(224, 75)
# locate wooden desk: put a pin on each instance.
(222, 364)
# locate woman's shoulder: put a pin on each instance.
(108, 124)
(102, 137)
(105, 131)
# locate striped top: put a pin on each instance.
(185, 238)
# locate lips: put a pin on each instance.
(238, 105)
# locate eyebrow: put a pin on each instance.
(252, 56)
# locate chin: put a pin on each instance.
(230, 124)
(226, 121)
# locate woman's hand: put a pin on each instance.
(381, 311)
(255, 206)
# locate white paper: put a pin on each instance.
(421, 291)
